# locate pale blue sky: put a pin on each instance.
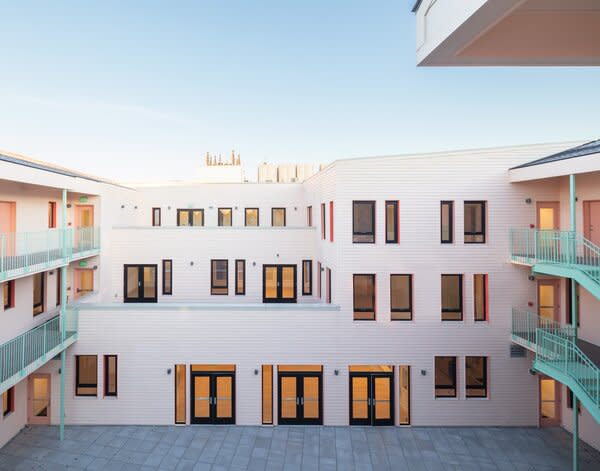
(134, 90)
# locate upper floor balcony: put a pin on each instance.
(24, 253)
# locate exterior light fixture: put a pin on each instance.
(122, 206)
(531, 278)
(169, 371)
(135, 207)
(336, 372)
(95, 267)
(192, 263)
(423, 372)
(255, 371)
(253, 264)
(528, 200)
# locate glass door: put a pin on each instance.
(371, 398)
(279, 283)
(300, 398)
(140, 284)
(549, 402)
(39, 399)
(213, 398)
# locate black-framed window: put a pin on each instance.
(445, 376)
(167, 277)
(392, 223)
(251, 217)
(277, 217)
(156, 217)
(110, 375)
(190, 217)
(323, 222)
(319, 269)
(569, 302)
(570, 401)
(86, 375)
(475, 222)
(476, 376)
(8, 294)
(225, 216)
(328, 285)
(447, 222)
(363, 222)
(452, 297)
(364, 297)
(309, 216)
(58, 286)
(8, 401)
(140, 283)
(39, 293)
(240, 277)
(51, 214)
(480, 301)
(306, 277)
(219, 277)
(401, 297)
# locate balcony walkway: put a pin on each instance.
(295, 448)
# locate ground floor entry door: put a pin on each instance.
(38, 399)
(371, 398)
(300, 398)
(212, 397)
(550, 402)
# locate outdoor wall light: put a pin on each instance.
(210, 207)
(532, 372)
(51, 273)
(236, 208)
(531, 278)
(168, 371)
(253, 264)
(528, 200)
(423, 372)
(255, 371)
(95, 267)
(122, 206)
(295, 208)
(68, 205)
(135, 207)
(336, 372)
(192, 263)
(277, 255)
(169, 208)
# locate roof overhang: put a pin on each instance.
(559, 168)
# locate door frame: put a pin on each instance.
(586, 217)
(546, 204)
(78, 208)
(31, 419)
(279, 298)
(212, 419)
(371, 420)
(556, 283)
(300, 420)
(557, 403)
(140, 298)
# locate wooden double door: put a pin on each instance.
(371, 398)
(212, 397)
(279, 284)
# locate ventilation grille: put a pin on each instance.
(516, 351)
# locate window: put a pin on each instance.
(251, 217)
(319, 279)
(110, 375)
(309, 216)
(156, 217)
(570, 401)
(140, 284)
(323, 228)
(86, 375)
(331, 221)
(328, 285)
(480, 290)
(474, 222)
(38, 293)
(476, 376)
(240, 277)
(391, 222)
(364, 297)
(306, 277)
(190, 217)
(447, 222)
(445, 376)
(8, 294)
(267, 394)
(363, 222)
(167, 277)
(452, 297)
(569, 303)
(58, 286)
(401, 297)
(404, 377)
(219, 277)
(277, 217)
(52, 214)
(180, 394)
(8, 401)
(224, 217)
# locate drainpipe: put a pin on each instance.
(574, 318)
(63, 312)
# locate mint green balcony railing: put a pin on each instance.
(25, 252)
(30, 350)
(526, 324)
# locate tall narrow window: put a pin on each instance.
(58, 286)
(306, 277)
(190, 217)
(474, 222)
(8, 401)
(277, 217)
(452, 297)
(331, 221)
(52, 214)
(476, 376)
(240, 277)
(8, 294)
(38, 293)
(391, 222)
(156, 217)
(267, 394)
(364, 297)
(401, 297)
(309, 216)
(219, 277)
(328, 285)
(323, 223)
(445, 376)
(110, 375)
(404, 377)
(480, 290)
(180, 394)
(363, 222)
(251, 217)
(86, 375)
(224, 217)
(319, 279)
(167, 276)
(447, 222)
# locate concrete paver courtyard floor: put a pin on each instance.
(214, 448)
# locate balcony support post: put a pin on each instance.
(574, 313)
(63, 312)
